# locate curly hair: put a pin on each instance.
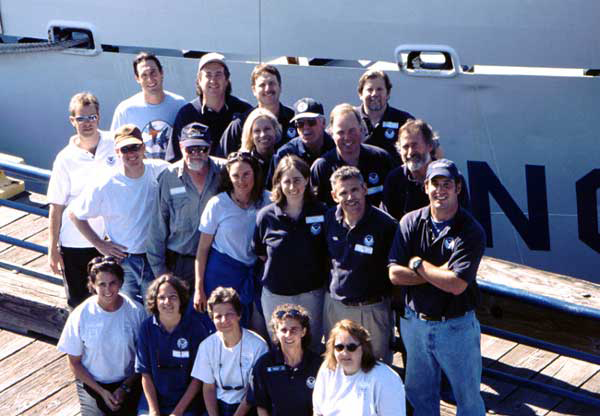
(180, 286)
(107, 264)
(290, 311)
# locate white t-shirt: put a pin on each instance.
(378, 392)
(124, 203)
(154, 120)
(105, 341)
(73, 169)
(212, 352)
(232, 226)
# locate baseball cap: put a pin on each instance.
(211, 57)
(126, 135)
(442, 167)
(307, 108)
(195, 134)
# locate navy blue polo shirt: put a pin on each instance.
(282, 390)
(358, 269)
(461, 245)
(169, 357)
(295, 249)
(402, 194)
(374, 165)
(231, 139)
(217, 122)
(385, 133)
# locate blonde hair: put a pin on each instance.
(247, 141)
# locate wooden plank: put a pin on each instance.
(26, 362)
(570, 407)
(11, 343)
(494, 348)
(8, 215)
(35, 388)
(32, 304)
(64, 403)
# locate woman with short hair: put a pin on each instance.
(100, 339)
(351, 381)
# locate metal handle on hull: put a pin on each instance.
(61, 30)
(413, 60)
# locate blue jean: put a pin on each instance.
(138, 276)
(453, 346)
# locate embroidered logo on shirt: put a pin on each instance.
(449, 243)
(373, 178)
(315, 229)
(369, 240)
(291, 132)
(310, 382)
(110, 160)
(390, 133)
(182, 343)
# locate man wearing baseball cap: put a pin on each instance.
(124, 199)
(214, 107)
(184, 188)
(435, 256)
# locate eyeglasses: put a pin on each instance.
(197, 150)
(311, 122)
(350, 347)
(82, 119)
(130, 148)
(237, 388)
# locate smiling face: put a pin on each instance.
(351, 195)
(149, 77)
(266, 89)
(242, 177)
(225, 318)
(414, 151)
(289, 333)
(263, 136)
(212, 80)
(293, 185)
(132, 159)
(87, 127)
(443, 196)
(347, 135)
(195, 157)
(311, 129)
(374, 95)
(168, 302)
(107, 287)
(349, 361)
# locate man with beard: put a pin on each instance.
(184, 188)
(403, 189)
(382, 120)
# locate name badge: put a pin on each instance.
(177, 191)
(363, 249)
(390, 124)
(315, 218)
(181, 354)
(275, 368)
(374, 189)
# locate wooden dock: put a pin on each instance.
(35, 378)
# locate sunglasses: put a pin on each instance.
(311, 122)
(293, 313)
(197, 150)
(237, 156)
(130, 148)
(82, 119)
(350, 347)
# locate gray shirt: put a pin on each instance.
(176, 213)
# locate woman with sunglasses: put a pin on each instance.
(225, 359)
(224, 256)
(260, 136)
(100, 339)
(289, 239)
(351, 381)
(167, 347)
(284, 378)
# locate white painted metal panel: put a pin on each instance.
(550, 33)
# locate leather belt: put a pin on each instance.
(368, 301)
(437, 318)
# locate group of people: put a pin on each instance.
(234, 224)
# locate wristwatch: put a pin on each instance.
(415, 263)
(125, 388)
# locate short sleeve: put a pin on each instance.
(142, 357)
(70, 339)
(258, 393)
(399, 253)
(319, 390)
(89, 204)
(209, 221)
(466, 254)
(202, 369)
(390, 396)
(59, 185)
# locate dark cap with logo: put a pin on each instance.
(195, 134)
(307, 108)
(442, 167)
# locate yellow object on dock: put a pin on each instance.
(10, 187)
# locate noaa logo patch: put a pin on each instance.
(302, 107)
(449, 243)
(390, 133)
(110, 160)
(315, 229)
(373, 178)
(182, 343)
(291, 132)
(310, 382)
(369, 240)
